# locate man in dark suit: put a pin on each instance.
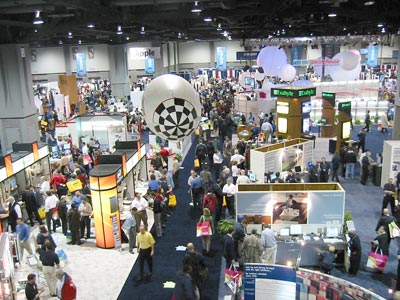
(355, 253)
(228, 250)
(31, 205)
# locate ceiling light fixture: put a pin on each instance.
(380, 25)
(37, 20)
(142, 31)
(127, 38)
(119, 29)
(196, 8)
(332, 15)
(90, 25)
(369, 3)
(79, 42)
(383, 30)
(207, 19)
(60, 42)
(70, 36)
(225, 33)
(219, 27)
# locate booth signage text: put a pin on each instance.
(143, 53)
(328, 95)
(293, 93)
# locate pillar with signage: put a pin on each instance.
(68, 87)
(293, 107)
(328, 128)
(344, 123)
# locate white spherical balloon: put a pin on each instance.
(259, 76)
(171, 107)
(271, 59)
(287, 72)
(340, 74)
(302, 83)
(349, 60)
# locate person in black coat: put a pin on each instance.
(62, 212)
(355, 253)
(335, 166)
(198, 266)
(184, 286)
(381, 242)
(384, 221)
(219, 211)
(31, 205)
(228, 249)
(31, 290)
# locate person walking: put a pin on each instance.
(14, 213)
(74, 223)
(350, 159)
(86, 212)
(63, 211)
(49, 205)
(184, 286)
(129, 227)
(384, 221)
(389, 190)
(50, 261)
(355, 253)
(24, 242)
(141, 205)
(206, 239)
(229, 191)
(66, 289)
(361, 140)
(145, 243)
(335, 166)
(268, 241)
(228, 248)
(198, 268)
(367, 121)
(31, 205)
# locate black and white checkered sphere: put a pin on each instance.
(171, 107)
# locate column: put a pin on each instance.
(396, 126)
(119, 76)
(18, 114)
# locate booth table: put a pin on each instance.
(290, 251)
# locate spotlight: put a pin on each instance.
(289, 263)
(369, 3)
(219, 27)
(196, 8)
(207, 19)
(60, 42)
(79, 42)
(37, 20)
(119, 30)
(380, 25)
(127, 38)
(70, 36)
(383, 30)
(142, 30)
(332, 15)
(90, 25)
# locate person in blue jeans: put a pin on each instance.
(350, 159)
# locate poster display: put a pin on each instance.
(302, 207)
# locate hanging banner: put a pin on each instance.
(295, 53)
(80, 64)
(221, 58)
(150, 68)
(372, 59)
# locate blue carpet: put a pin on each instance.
(181, 229)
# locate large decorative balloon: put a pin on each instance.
(287, 72)
(302, 82)
(339, 74)
(171, 107)
(349, 60)
(271, 59)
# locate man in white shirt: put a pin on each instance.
(85, 149)
(217, 160)
(141, 215)
(49, 205)
(45, 186)
(242, 178)
(238, 158)
(267, 129)
(156, 173)
(229, 191)
(86, 212)
(268, 241)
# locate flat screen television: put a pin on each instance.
(13, 183)
(282, 125)
(252, 177)
(297, 169)
(284, 232)
(346, 130)
(332, 232)
(295, 229)
(282, 107)
(273, 176)
(67, 147)
(306, 125)
(306, 107)
(114, 204)
(250, 81)
(324, 121)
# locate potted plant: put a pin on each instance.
(224, 225)
(347, 217)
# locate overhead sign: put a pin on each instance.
(308, 92)
(143, 53)
(221, 58)
(344, 106)
(247, 55)
(328, 95)
(372, 59)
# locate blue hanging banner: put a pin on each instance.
(80, 64)
(221, 58)
(150, 68)
(295, 53)
(372, 60)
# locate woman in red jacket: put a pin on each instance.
(66, 289)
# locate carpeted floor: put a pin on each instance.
(181, 229)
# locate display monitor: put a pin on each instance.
(252, 177)
(324, 121)
(332, 232)
(114, 204)
(346, 130)
(306, 107)
(67, 147)
(284, 232)
(250, 81)
(13, 183)
(295, 229)
(282, 107)
(306, 125)
(282, 125)
(273, 176)
(257, 227)
(297, 169)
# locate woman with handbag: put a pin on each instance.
(206, 236)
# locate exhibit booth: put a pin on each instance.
(8, 282)
(262, 281)
(391, 161)
(112, 181)
(310, 221)
(293, 154)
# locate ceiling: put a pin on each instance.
(170, 20)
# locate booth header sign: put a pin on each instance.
(247, 55)
(3, 174)
(143, 53)
(328, 95)
(293, 93)
(80, 64)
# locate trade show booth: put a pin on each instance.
(391, 161)
(293, 154)
(304, 216)
(111, 182)
(8, 283)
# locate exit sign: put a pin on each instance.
(293, 93)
